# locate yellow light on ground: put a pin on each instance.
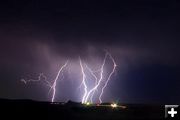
(88, 103)
(114, 105)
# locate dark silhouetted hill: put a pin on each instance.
(29, 109)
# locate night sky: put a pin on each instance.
(39, 36)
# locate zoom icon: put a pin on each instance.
(171, 111)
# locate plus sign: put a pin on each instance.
(172, 112)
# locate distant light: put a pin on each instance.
(114, 105)
(88, 103)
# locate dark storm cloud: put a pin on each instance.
(37, 36)
(71, 27)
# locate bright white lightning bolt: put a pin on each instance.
(88, 93)
(52, 86)
(83, 81)
(96, 81)
(114, 67)
(99, 81)
(55, 81)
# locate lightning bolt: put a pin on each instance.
(91, 92)
(96, 81)
(99, 81)
(41, 75)
(108, 79)
(83, 81)
(88, 94)
(55, 81)
(52, 86)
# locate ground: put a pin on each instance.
(45, 110)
